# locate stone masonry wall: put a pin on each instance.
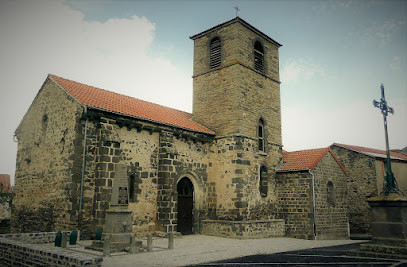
(235, 172)
(225, 175)
(237, 46)
(331, 215)
(49, 153)
(34, 238)
(294, 194)
(232, 98)
(111, 142)
(157, 157)
(192, 161)
(16, 253)
(361, 186)
(244, 229)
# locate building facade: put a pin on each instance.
(312, 193)
(211, 172)
(367, 168)
(6, 197)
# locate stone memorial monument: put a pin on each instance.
(118, 223)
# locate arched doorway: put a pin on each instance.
(185, 218)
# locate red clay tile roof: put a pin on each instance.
(113, 102)
(306, 159)
(372, 151)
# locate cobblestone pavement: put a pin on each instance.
(199, 249)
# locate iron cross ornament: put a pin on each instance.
(389, 184)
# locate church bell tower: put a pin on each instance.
(236, 82)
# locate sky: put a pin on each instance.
(334, 57)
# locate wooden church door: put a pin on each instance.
(185, 218)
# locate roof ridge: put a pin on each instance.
(102, 99)
(318, 159)
(346, 145)
(119, 94)
(234, 20)
(307, 159)
(363, 149)
(337, 160)
(309, 149)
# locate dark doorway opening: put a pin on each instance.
(185, 219)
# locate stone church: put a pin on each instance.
(218, 171)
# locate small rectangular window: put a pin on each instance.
(263, 186)
(261, 144)
(260, 131)
(131, 188)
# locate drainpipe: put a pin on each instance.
(85, 113)
(313, 205)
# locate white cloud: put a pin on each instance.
(357, 123)
(299, 70)
(382, 33)
(395, 64)
(46, 36)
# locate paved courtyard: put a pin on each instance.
(323, 256)
(201, 249)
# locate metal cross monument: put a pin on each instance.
(390, 184)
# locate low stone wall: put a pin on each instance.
(17, 253)
(33, 238)
(244, 229)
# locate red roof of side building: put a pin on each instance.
(306, 159)
(373, 152)
(113, 102)
(5, 181)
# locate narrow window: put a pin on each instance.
(258, 57)
(260, 135)
(44, 121)
(263, 181)
(131, 188)
(330, 193)
(215, 53)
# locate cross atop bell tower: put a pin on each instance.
(236, 80)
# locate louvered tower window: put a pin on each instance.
(215, 53)
(258, 57)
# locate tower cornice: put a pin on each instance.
(233, 64)
(236, 20)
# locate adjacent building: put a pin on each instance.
(5, 203)
(312, 194)
(367, 168)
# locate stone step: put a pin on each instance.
(114, 246)
(384, 249)
(371, 254)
